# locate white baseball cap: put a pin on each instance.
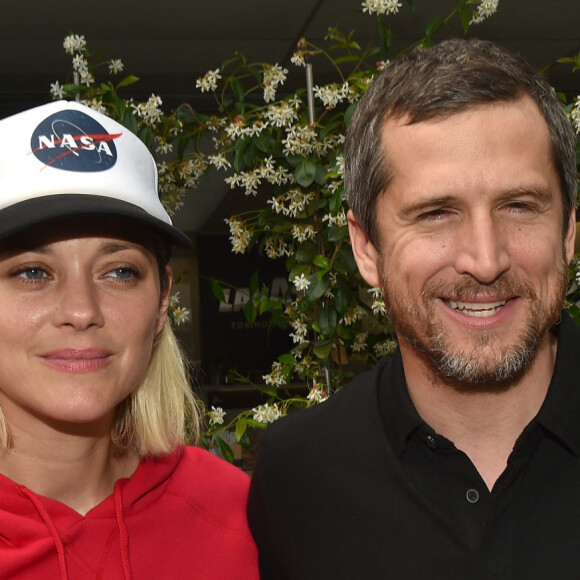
(65, 159)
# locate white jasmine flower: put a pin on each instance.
(274, 76)
(381, 6)
(297, 58)
(317, 393)
(95, 104)
(240, 235)
(276, 247)
(80, 63)
(74, 43)
(56, 91)
(353, 315)
(379, 307)
(276, 378)
(301, 282)
(303, 233)
(115, 66)
(332, 94)
(266, 413)
(336, 220)
(216, 416)
(281, 115)
(87, 77)
(209, 81)
(219, 161)
(300, 140)
(163, 146)
(385, 348)
(360, 342)
(484, 10)
(150, 111)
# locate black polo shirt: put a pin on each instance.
(361, 487)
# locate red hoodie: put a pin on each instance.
(179, 516)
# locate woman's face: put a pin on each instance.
(80, 306)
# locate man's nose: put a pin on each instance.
(483, 253)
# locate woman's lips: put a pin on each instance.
(77, 360)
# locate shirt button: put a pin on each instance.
(431, 442)
(472, 495)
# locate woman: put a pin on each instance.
(95, 480)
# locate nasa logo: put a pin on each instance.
(73, 141)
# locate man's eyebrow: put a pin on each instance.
(426, 203)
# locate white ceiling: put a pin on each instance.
(170, 43)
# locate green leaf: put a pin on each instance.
(341, 301)
(297, 270)
(218, 291)
(146, 135)
(323, 349)
(349, 113)
(306, 254)
(264, 142)
(245, 440)
(128, 80)
(287, 359)
(130, 121)
(238, 89)
(336, 201)
(327, 320)
(254, 283)
(250, 312)
(256, 424)
(305, 173)
(224, 450)
(463, 14)
(72, 88)
(186, 114)
(386, 36)
(239, 149)
(241, 427)
(317, 286)
(321, 262)
(336, 233)
(434, 26)
(328, 128)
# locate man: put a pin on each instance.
(459, 457)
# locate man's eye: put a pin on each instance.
(434, 215)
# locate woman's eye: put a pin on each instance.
(122, 273)
(32, 273)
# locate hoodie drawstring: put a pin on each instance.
(122, 526)
(51, 527)
(124, 535)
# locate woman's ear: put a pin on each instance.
(164, 300)
(365, 253)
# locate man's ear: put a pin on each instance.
(365, 253)
(164, 300)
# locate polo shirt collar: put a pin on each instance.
(559, 414)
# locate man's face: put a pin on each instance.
(472, 257)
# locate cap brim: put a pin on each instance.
(30, 212)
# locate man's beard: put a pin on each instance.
(490, 363)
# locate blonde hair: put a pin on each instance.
(162, 413)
